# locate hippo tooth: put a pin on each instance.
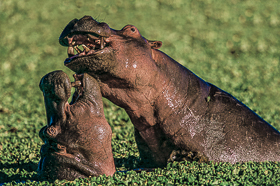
(77, 49)
(73, 43)
(85, 48)
(70, 51)
(76, 84)
(102, 43)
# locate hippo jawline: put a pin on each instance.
(91, 43)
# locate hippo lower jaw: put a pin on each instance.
(61, 165)
(57, 163)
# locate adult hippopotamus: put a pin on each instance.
(175, 113)
(77, 138)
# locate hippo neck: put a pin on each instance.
(164, 95)
(129, 85)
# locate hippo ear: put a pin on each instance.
(155, 44)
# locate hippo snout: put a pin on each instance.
(49, 132)
(84, 25)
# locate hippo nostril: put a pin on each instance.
(132, 29)
(51, 132)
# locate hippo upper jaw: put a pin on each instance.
(87, 37)
(86, 25)
(104, 52)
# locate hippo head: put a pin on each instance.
(106, 52)
(72, 138)
(56, 87)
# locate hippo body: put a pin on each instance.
(176, 114)
(77, 137)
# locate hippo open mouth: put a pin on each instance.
(73, 144)
(49, 133)
(83, 42)
(91, 43)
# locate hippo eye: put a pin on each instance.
(133, 29)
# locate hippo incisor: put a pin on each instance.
(77, 138)
(175, 113)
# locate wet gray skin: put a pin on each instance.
(176, 114)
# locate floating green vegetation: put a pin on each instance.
(233, 44)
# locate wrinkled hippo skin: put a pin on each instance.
(77, 138)
(176, 114)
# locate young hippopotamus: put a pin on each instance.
(176, 114)
(77, 138)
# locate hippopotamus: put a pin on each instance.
(77, 136)
(175, 113)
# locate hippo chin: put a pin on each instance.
(77, 138)
(176, 114)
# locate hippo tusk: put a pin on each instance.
(102, 43)
(85, 48)
(70, 51)
(77, 49)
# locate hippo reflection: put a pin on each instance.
(77, 138)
